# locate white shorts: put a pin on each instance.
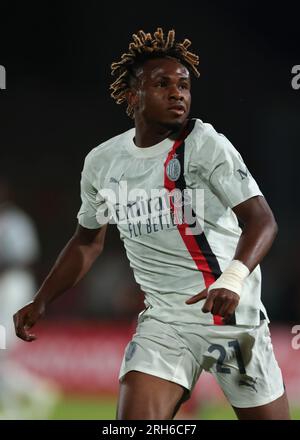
(240, 357)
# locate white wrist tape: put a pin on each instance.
(232, 278)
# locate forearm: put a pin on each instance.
(222, 296)
(70, 267)
(259, 231)
(255, 241)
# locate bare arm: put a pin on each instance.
(70, 267)
(258, 234)
(73, 263)
(259, 231)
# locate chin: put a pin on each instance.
(175, 123)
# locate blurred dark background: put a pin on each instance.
(57, 107)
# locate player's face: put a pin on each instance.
(164, 92)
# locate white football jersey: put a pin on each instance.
(172, 203)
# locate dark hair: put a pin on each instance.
(142, 48)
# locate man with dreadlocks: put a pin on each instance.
(146, 180)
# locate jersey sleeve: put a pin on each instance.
(224, 169)
(228, 175)
(93, 212)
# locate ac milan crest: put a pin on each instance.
(173, 169)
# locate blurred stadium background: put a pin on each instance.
(56, 107)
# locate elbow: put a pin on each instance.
(97, 248)
(267, 226)
(94, 250)
(100, 248)
(274, 228)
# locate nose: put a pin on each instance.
(175, 93)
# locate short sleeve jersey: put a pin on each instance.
(172, 203)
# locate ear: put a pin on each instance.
(132, 97)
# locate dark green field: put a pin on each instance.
(105, 408)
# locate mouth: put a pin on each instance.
(177, 109)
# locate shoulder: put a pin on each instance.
(106, 151)
(202, 128)
(204, 132)
(208, 144)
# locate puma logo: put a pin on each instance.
(249, 382)
(114, 180)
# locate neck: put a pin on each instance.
(147, 135)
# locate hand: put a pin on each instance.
(25, 318)
(222, 302)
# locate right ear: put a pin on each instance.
(132, 97)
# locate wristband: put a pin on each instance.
(232, 278)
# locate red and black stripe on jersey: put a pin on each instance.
(196, 244)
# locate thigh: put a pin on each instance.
(276, 410)
(157, 350)
(245, 367)
(146, 397)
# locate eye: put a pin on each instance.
(184, 85)
(161, 83)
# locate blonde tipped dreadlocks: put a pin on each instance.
(144, 47)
